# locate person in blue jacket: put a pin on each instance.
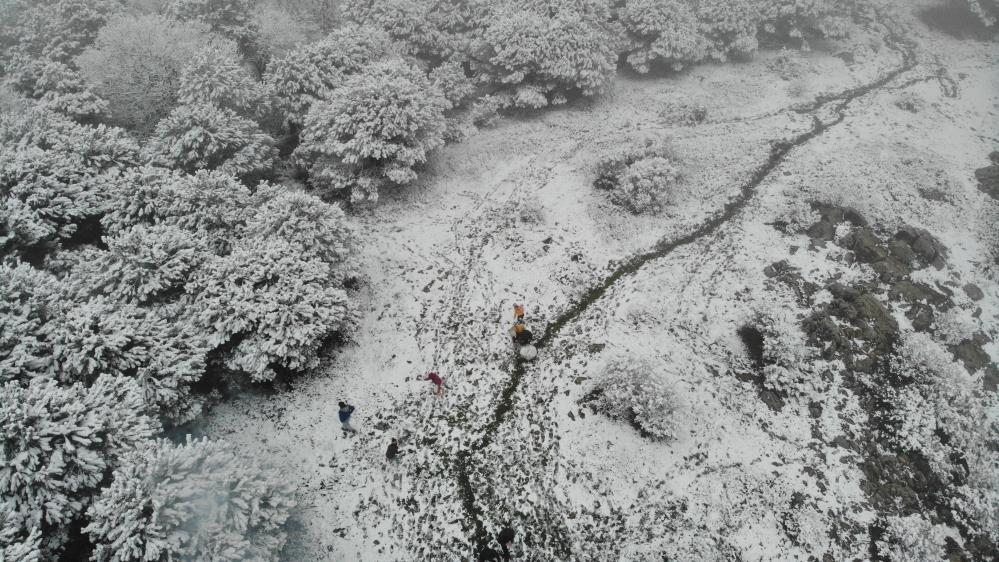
(345, 412)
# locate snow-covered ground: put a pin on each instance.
(510, 215)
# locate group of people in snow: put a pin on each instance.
(522, 338)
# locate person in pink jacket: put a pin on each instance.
(433, 377)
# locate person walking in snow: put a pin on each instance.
(433, 377)
(521, 335)
(393, 450)
(506, 537)
(518, 312)
(346, 410)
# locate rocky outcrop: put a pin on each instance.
(988, 177)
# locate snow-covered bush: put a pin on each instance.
(728, 26)
(313, 227)
(434, 29)
(449, 78)
(639, 179)
(986, 10)
(274, 306)
(382, 121)
(211, 203)
(60, 88)
(51, 30)
(279, 32)
(631, 389)
(135, 64)
(543, 51)
(202, 136)
(216, 76)
(797, 20)
(955, 325)
(232, 19)
(16, 544)
(313, 71)
(25, 294)
(52, 172)
(786, 354)
(59, 443)
(913, 537)
(661, 32)
(202, 500)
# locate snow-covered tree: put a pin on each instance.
(728, 26)
(216, 75)
(25, 294)
(51, 30)
(279, 33)
(315, 228)
(786, 354)
(202, 136)
(313, 71)
(274, 307)
(544, 50)
(16, 544)
(135, 64)
(59, 443)
(52, 172)
(208, 202)
(60, 88)
(202, 500)
(388, 118)
(797, 20)
(232, 19)
(661, 32)
(632, 389)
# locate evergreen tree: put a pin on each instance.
(202, 500)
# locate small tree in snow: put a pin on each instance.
(728, 26)
(216, 75)
(641, 180)
(61, 89)
(202, 500)
(389, 116)
(59, 443)
(631, 389)
(202, 136)
(799, 19)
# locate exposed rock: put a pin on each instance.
(991, 379)
(902, 251)
(988, 180)
(921, 316)
(865, 245)
(973, 291)
(815, 409)
(772, 399)
(917, 292)
(891, 269)
(924, 244)
(822, 230)
(970, 353)
(862, 317)
(835, 214)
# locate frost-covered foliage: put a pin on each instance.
(232, 19)
(543, 51)
(797, 20)
(217, 76)
(313, 71)
(50, 30)
(377, 127)
(436, 29)
(641, 180)
(787, 358)
(202, 500)
(449, 78)
(16, 544)
(135, 64)
(59, 443)
(661, 32)
(203, 136)
(913, 538)
(25, 294)
(279, 32)
(276, 307)
(986, 10)
(955, 325)
(632, 389)
(728, 27)
(52, 172)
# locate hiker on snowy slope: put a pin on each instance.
(346, 410)
(433, 377)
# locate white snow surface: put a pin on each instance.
(445, 260)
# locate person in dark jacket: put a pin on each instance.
(506, 537)
(393, 450)
(346, 410)
(488, 555)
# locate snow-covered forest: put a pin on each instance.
(755, 242)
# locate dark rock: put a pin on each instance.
(822, 230)
(901, 251)
(835, 214)
(854, 217)
(991, 379)
(845, 56)
(815, 409)
(778, 268)
(994, 157)
(924, 244)
(974, 292)
(772, 400)
(988, 180)
(916, 292)
(921, 316)
(971, 354)
(891, 269)
(865, 245)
